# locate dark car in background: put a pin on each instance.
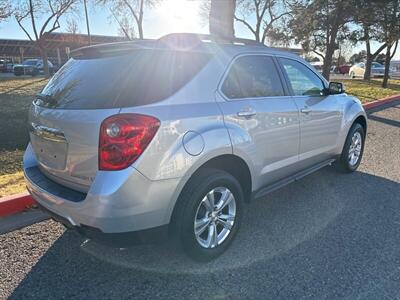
(5, 65)
(32, 67)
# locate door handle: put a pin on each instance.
(246, 113)
(306, 110)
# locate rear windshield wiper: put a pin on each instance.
(48, 99)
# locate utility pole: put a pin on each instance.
(87, 23)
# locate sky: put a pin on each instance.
(170, 16)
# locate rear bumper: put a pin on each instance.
(147, 236)
(117, 202)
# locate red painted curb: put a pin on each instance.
(15, 203)
(380, 102)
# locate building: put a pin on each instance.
(58, 46)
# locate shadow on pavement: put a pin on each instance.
(328, 226)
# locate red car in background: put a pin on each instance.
(343, 69)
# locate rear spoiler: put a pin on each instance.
(111, 49)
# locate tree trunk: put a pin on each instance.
(221, 18)
(370, 59)
(387, 66)
(140, 28)
(330, 49)
(326, 68)
(140, 21)
(368, 63)
(43, 53)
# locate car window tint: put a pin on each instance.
(138, 78)
(252, 76)
(304, 82)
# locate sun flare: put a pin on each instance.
(180, 15)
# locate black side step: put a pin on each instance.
(285, 181)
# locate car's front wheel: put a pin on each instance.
(353, 149)
(209, 214)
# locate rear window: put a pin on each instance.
(139, 78)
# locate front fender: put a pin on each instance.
(352, 110)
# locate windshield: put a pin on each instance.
(30, 62)
(138, 78)
(377, 65)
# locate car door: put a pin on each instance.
(262, 119)
(320, 114)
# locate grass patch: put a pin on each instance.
(11, 184)
(371, 90)
(15, 98)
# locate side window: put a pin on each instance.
(252, 76)
(303, 81)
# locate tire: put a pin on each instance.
(192, 206)
(352, 75)
(347, 163)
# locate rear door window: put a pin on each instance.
(138, 78)
(252, 76)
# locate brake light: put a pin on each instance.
(123, 138)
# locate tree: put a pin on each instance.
(126, 27)
(266, 14)
(5, 10)
(318, 25)
(389, 26)
(366, 19)
(358, 57)
(35, 10)
(72, 27)
(381, 58)
(221, 18)
(125, 10)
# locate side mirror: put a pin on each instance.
(335, 88)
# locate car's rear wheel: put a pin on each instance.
(209, 214)
(353, 149)
(352, 75)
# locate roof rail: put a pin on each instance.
(197, 37)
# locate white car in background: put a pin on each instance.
(377, 70)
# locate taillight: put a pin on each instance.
(123, 138)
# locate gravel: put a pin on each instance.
(330, 235)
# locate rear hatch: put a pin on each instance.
(65, 118)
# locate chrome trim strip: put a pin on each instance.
(47, 133)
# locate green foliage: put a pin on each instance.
(317, 24)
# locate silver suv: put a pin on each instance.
(173, 136)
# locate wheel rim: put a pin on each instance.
(355, 149)
(215, 217)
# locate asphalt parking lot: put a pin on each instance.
(330, 235)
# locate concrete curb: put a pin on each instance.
(18, 203)
(383, 101)
(13, 204)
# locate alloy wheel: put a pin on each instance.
(355, 149)
(215, 217)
